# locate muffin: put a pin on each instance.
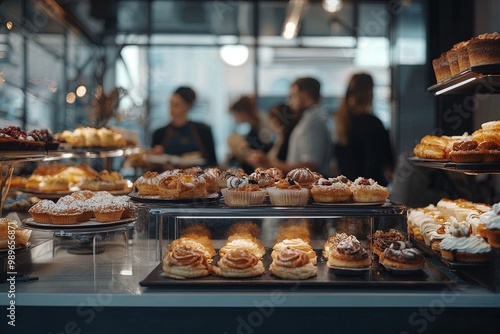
(66, 213)
(108, 211)
(41, 211)
(288, 192)
(243, 192)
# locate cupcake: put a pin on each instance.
(288, 192)
(243, 192)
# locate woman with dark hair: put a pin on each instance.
(245, 111)
(363, 146)
(282, 120)
(181, 136)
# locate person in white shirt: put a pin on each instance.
(310, 143)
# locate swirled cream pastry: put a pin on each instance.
(293, 263)
(242, 253)
(296, 243)
(239, 263)
(185, 262)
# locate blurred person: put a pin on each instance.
(245, 112)
(183, 137)
(282, 120)
(362, 147)
(310, 143)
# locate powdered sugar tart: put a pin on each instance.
(368, 190)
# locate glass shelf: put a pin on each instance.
(484, 79)
(472, 168)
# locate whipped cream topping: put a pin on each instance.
(460, 229)
(237, 182)
(473, 244)
(492, 218)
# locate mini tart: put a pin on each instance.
(293, 264)
(147, 184)
(489, 150)
(287, 192)
(368, 191)
(401, 256)
(41, 211)
(348, 253)
(303, 176)
(332, 190)
(239, 263)
(466, 151)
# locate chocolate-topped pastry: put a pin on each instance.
(402, 255)
(381, 240)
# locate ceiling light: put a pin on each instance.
(234, 55)
(332, 6)
(81, 91)
(294, 10)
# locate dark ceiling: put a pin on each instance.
(99, 19)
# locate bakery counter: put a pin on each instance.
(114, 282)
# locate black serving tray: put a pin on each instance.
(450, 264)
(377, 276)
